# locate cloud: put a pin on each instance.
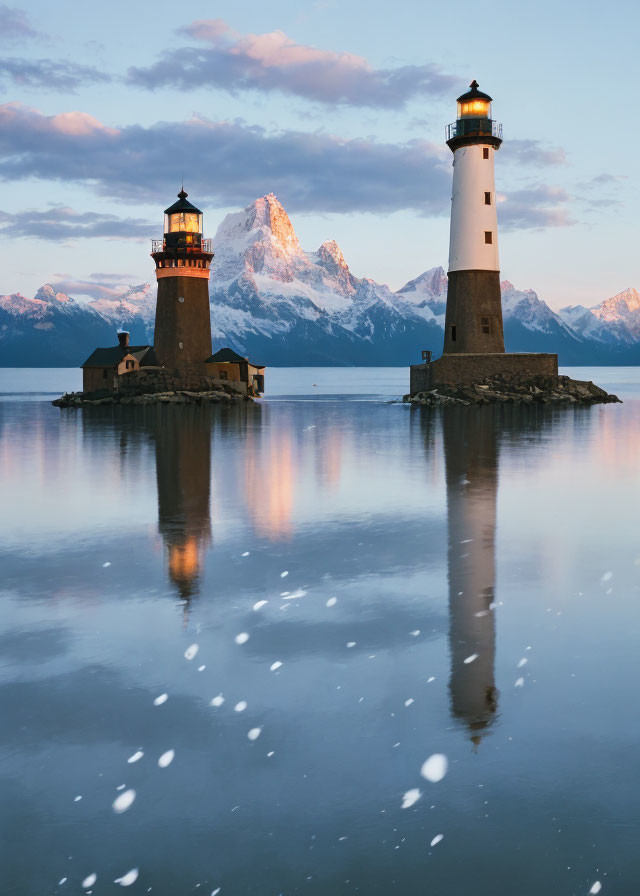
(537, 207)
(266, 62)
(112, 288)
(115, 278)
(232, 163)
(14, 24)
(606, 180)
(532, 152)
(49, 74)
(61, 224)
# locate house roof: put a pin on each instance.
(111, 357)
(227, 355)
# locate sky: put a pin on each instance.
(336, 106)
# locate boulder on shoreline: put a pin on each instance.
(516, 389)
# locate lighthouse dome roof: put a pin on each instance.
(182, 205)
(474, 94)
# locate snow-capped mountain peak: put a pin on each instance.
(48, 294)
(330, 254)
(285, 306)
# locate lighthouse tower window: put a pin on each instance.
(488, 237)
(486, 326)
(485, 152)
(453, 332)
(487, 198)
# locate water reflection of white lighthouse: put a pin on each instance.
(471, 459)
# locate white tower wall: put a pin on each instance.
(473, 176)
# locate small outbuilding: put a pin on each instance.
(229, 365)
(104, 364)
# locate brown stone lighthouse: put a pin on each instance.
(183, 259)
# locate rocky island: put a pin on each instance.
(159, 386)
(514, 388)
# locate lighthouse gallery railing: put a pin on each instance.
(474, 127)
(205, 245)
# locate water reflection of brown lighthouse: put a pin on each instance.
(183, 469)
(471, 459)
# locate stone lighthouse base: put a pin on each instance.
(497, 378)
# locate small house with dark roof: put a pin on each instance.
(104, 364)
(229, 365)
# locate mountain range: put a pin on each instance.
(284, 306)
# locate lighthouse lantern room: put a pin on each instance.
(474, 309)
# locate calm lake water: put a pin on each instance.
(329, 592)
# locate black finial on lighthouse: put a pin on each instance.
(474, 85)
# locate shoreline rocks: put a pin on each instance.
(183, 396)
(514, 389)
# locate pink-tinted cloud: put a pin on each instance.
(273, 61)
(235, 163)
(73, 287)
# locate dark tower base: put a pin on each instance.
(183, 323)
(474, 313)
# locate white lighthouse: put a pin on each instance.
(474, 308)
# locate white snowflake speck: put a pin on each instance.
(241, 706)
(408, 702)
(596, 887)
(89, 881)
(246, 554)
(471, 659)
(284, 574)
(217, 701)
(519, 683)
(437, 839)
(332, 601)
(166, 758)
(161, 699)
(124, 801)
(351, 643)
(435, 767)
(415, 633)
(254, 733)
(259, 604)
(410, 798)
(522, 662)
(105, 565)
(242, 638)
(127, 879)
(294, 595)
(274, 666)
(191, 651)
(136, 757)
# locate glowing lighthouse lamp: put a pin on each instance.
(474, 310)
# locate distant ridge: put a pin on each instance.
(273, 300)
